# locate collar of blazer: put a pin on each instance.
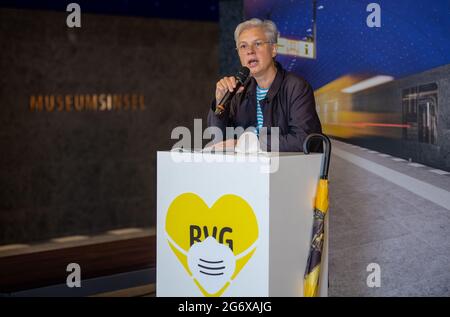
(250, 90)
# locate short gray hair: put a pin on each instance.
(270, 29)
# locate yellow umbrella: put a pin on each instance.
(312, 273)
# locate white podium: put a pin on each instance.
(227, 227)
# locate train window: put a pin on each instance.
(419, 109)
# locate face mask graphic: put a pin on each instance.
(211, 263)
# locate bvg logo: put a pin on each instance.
(213, 244)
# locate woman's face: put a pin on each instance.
(255, 52)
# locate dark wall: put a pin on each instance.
(84, 172)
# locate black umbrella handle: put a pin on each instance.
(327, 151)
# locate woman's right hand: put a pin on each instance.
(224, 85)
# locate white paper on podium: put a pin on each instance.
(248, 143)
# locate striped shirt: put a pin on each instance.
(260, 95)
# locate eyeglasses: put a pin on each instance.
(244, 47)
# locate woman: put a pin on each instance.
(272, 97)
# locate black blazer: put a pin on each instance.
(289, 105)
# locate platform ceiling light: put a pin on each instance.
(368, 83)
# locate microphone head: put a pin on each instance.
(242, 74)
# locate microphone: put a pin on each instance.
(241, 77)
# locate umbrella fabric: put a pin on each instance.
(311, 281)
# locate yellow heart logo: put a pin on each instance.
(213, 244)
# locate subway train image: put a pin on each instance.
(407, 117)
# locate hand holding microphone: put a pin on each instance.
(227, 87)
